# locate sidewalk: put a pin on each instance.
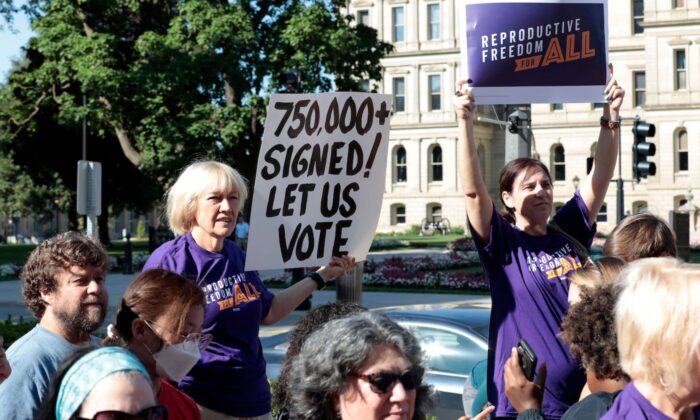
(12, 303)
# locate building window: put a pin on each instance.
(598, 105)
(603, 213)
(434, 21)
(398, 214)
(677, 4)
(434, 212)
(591, 158)
(363, 17)
(638, 16)
(400, 164)
(397, 24)
(435, 89)
(399, 98)
(435, 163)
(639, 207)
(558, 163)
(679, 60)
(557, 107)
(682, 151)
(640, 88)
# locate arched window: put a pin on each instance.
(558, 163)
(434, 211)
(681, 150)
(435, 163)
(589, 159)
(398, 214)
(400, 164)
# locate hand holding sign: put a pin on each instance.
(336, 268)
(464, 102)
(614, 94)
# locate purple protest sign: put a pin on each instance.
(545, 51)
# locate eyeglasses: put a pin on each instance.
(380, 382)
(157, 412)
(202, 340)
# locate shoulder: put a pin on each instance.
(165, 255)
(38, 342)
(176, 401)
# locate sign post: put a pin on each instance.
(90, 193)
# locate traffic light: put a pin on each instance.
(643, 149)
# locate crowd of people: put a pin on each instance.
(617, 337)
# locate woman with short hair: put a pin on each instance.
(529, 260)
(641, 235)
(657, 318)
(364, 367)
(202, 206)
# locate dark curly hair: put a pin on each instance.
(58, 253)
(311, 322)
(589, 329)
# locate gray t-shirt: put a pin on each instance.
(34, 359)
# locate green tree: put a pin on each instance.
(169, 81)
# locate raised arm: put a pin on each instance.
(479, 203)
(595, 186)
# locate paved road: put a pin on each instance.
(11, 302)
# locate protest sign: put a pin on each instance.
(535, 51)
(320, 179)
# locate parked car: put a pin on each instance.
(453, 341)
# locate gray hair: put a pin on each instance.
(340, 348)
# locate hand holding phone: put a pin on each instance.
(528, 359)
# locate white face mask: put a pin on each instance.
(173, 361)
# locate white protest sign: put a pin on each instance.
(320, 179)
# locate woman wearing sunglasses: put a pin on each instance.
(363, 367)
(160, 319)
(101, 383)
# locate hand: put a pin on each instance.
(336, 267)
(483, 414)
(521, 393)
(5, 368)
(464, 102)
(614, 95)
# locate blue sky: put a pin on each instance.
(11, 43)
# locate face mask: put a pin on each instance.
(173, 361)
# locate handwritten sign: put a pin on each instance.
(320, 179)
(535, 51)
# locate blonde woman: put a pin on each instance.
(229, 381)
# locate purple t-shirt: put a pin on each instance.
(529, 280)
(630, 404)
(230, 377)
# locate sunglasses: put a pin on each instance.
(381, 382)
(157, 412)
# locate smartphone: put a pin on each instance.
(528, 359)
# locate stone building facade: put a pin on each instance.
(655, 49)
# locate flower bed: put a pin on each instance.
(415, 272)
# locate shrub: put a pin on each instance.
(11, 331)
(462, 245)
(386, 243)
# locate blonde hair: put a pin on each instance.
(657, 318)
(603, 271)
(199, 178)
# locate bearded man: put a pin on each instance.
(63, 284)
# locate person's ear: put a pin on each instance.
(138, 329)
(507, 199)
(48, 297)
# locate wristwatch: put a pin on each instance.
(611, 124)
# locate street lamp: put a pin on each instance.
(56, 201)
(576, 181)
